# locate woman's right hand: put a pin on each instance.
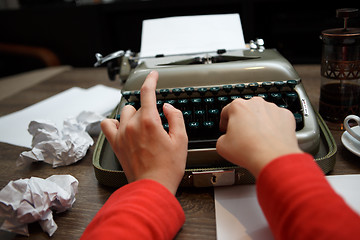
(256, 132)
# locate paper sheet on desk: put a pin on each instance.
(191, 34)
(99, 99)
(239, 216)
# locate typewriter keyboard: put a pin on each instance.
(201, 107)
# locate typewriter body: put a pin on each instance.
(201, 84)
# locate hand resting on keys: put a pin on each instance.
(145, 150)
(256, 132)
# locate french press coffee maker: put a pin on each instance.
(340, 71)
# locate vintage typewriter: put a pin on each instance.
(201, 84)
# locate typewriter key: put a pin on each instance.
(171, 101)
(233, 97)
(291, 96)
(189, 90)
(227, 88)
(276, 96)
(187, 116)
(166, 127)
(177, 91)
(137, 94)
(240, 87)
(194, 125)
(279, 85)
(164, 92)
(299, 121)
(196, 103)
(214, 90)
(209, 102)
(291, 83)
(199, 115)
(265, 96)
(248, 96)
(132, 104)
(159, 104)
(126, 95)
(209, 124)
(202, 91)
(253, 86)
(223, 101)
(162, 117)
(182, 104)
(266, 85)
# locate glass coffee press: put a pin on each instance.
(340, 72)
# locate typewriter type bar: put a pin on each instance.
(201, 106)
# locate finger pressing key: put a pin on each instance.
(148, 96)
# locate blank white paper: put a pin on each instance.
(70, 103)
(191, 34)
(239, 216)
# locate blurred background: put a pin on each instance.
(40, 33)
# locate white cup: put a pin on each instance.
(356, 134)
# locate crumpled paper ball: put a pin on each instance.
(33, 199)
(60, 148)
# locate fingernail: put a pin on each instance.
(152, 72)
(168, 105)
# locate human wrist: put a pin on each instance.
(169, 182)
(263, 160)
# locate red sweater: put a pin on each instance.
(144, 209)
(296, 199)
(299, 203)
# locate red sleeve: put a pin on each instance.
(140, 210)
(299, 203)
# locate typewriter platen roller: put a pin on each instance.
(200, 85)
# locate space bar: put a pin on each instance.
(202, 143)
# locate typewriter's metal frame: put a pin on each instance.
(239, 66)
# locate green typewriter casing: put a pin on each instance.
(248, 67)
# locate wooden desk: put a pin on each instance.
(198, 204)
